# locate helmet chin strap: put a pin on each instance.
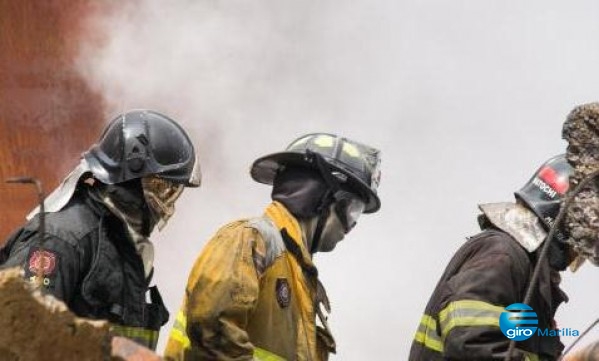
(327, 199)
(322, 220)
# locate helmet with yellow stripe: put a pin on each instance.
(349, 163)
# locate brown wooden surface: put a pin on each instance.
(48, 115)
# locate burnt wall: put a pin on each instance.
(48, 115)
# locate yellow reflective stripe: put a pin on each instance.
(427, 334)
(531, 357)
(460, 313)
(179, 331)
(468, 313)
(263, 355)
(137, 332)
(180, 321)
(351, 150)
(428, 322)
(180, 338)
(146, 337)
(325, 141)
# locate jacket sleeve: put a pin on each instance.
(58, 262)
(488, 281)
(222, 291)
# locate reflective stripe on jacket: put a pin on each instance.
(462, 313)
(252, 295)
(142, 336)
(461, 319)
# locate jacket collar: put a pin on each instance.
(285, 221)
(517, 221)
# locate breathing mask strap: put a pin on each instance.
(323, 209)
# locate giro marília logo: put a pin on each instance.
(518, 322)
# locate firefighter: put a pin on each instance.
(96, 255)
(492, 271)
(253, 293)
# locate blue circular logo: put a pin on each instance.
(519, 322)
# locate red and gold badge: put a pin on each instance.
(42, 261)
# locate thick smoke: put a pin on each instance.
(244, 80)
(464, 98)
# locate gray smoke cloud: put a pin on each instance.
(464, 98)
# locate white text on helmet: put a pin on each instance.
(546, 188)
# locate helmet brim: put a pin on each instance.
(264, 170)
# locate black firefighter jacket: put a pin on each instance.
(89, 262)
(489, 272)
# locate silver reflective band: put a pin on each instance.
(195, 179)
(464, 313)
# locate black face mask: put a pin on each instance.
(559, 257)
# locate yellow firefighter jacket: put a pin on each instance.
(253, 294)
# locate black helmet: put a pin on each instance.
(351, 163)
(544, 192)
(141, 143)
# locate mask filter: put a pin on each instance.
(160, 195)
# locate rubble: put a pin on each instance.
(34, 326)
(581, 130)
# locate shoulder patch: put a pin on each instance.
(41, 262)
(283, 292)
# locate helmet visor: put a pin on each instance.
(160, 195)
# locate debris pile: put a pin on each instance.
(581, 130)
(32, 324)
(39, 327)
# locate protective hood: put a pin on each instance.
(517, 221)
(301, 190)
(59, 198)
(126, 201)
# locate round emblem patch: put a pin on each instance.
(283, 292)
(42, 261)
